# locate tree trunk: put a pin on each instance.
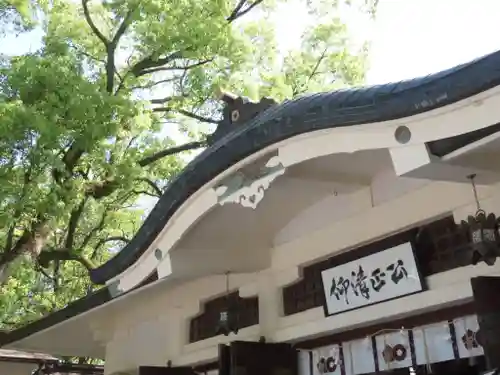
(30, 243)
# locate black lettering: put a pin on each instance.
(359, 283)
(398, 271)
(377, 279)
(340, 288)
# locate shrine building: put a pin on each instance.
(343, 233)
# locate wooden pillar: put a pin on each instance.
(486, 291)
(270, 302)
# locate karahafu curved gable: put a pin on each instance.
(346, 108)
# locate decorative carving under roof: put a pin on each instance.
(247, 191)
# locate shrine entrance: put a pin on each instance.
(486, 291)
(242, 358)
(159, 370)
(257, 358)
(475, 366)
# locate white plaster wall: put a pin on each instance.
(155, 327)
(385, 186)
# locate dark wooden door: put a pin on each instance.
(256, 358)
(486, 291)
(158, 370)
(224, 359)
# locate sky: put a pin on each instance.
(409, 37)
(418, 37)
(412, 38)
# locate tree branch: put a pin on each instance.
(110, 45)
(10, 238)
(73, 224)
(40, 269)
(239, 11)
(94, 230)
(150, 62)
(56, 273)
(101, 189)
(318, 63)
(121, 85)
(153, 84)
(197, 117)
(110, 69)
(72, 155)
(17, 212)
(8, 256)
(236, 10)
(162, 100)
(87, 54)
(46, 257)
(88, 264)
(168, 99)
(112, 238)
(314, 72)
(92, 25)
(170, 151)
(152, 185)
(187, 114)
(106, 240)
(144, 192)
(170, 68)
(111, 48)
(123, 27)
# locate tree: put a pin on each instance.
(84, 122)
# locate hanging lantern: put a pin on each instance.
(483, 232)
(228, 318)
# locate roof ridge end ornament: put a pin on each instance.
(236, 111)
(246, 191)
